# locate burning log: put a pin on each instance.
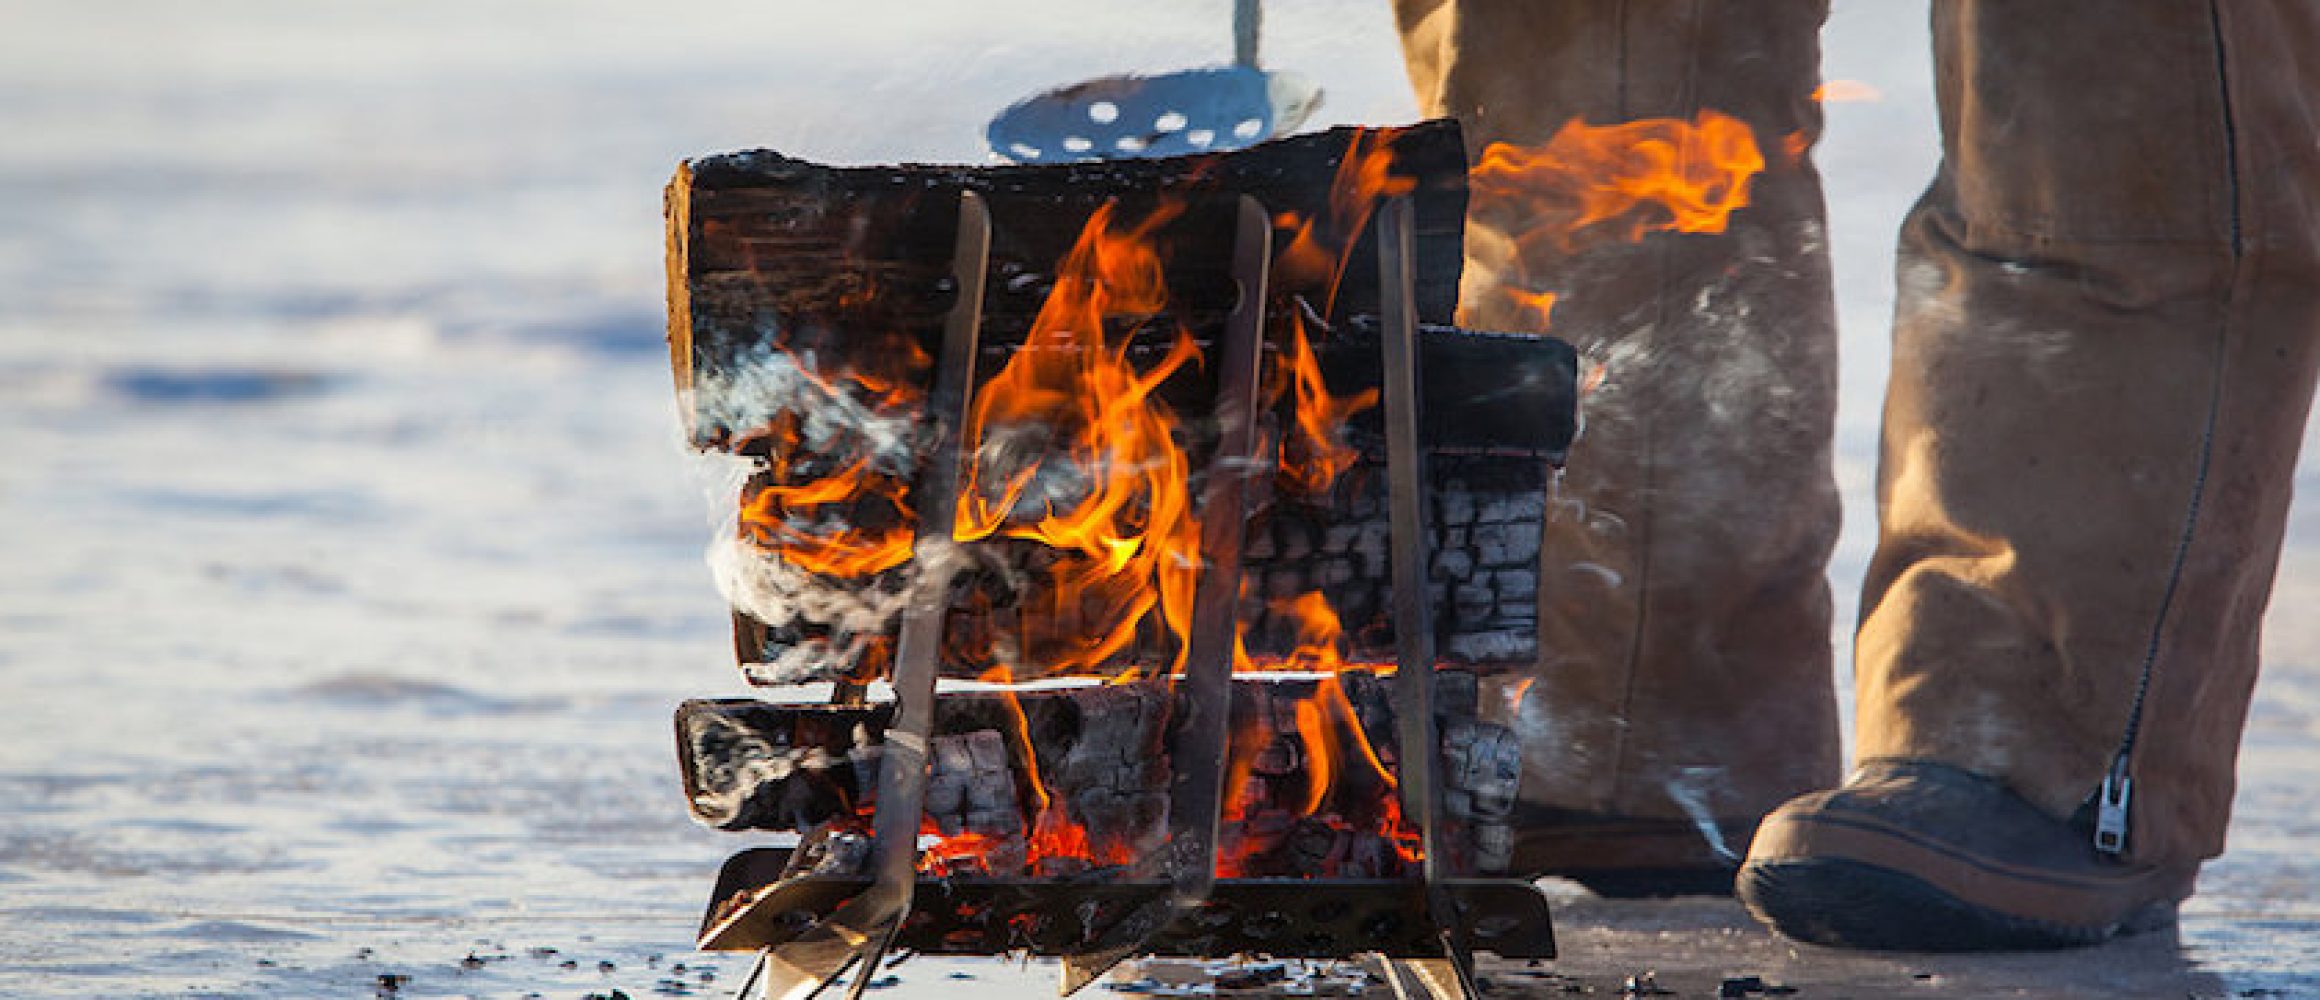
(804, 300)
(1081, 513)
(1059, 780)
(971, 801)
(1481, 767)
(827, 259)
(1112, 777)
(751, 765)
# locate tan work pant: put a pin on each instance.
(2105, 341)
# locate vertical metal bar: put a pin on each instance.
(1204, 694)
(1413, 610)
(1406, 481)
(1204, 732)
(864, 926)
(1248, 23)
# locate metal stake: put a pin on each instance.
(1203, 731)
(1413, 611)
(863, 927)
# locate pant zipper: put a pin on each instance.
(2110, 825)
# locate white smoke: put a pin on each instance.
(765, 383)
(846, 616)
(1690, 789)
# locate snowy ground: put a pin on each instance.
(352, 566)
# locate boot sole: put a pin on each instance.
(1835, 901)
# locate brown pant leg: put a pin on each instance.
(1684, 614)
(2106, 333)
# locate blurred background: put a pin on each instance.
(349, 562)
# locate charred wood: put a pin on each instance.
(830, 260)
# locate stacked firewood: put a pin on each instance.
(1095, 764)
(1483, 570)
(1279, 825)
(1112, 776)
(749, 765)
(970, 793)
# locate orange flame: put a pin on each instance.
(1323, 246)
(1132, 541)
(1846, 90)
(1536, 309)
(1631, 178)
(771, 517)
(1321, 649)
(1793, 146)
(1592, 183)
(1320, 755)
(945, 854)
(789, 515)
(1329, 732)
(1316, 455)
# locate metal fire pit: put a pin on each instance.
(744, 232)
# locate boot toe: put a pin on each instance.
(1923, 857)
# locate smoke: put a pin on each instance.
(826, 627)
(765, 383)
(1690, 789)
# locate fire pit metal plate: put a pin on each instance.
(1335, 918)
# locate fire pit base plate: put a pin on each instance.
(1286, 918)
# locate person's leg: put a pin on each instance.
(2106, 332)
(1684, 615)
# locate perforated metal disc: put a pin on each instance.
(1175, 114)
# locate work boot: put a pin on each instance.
(2106, 332)
(1925, 857)
(1684, 684)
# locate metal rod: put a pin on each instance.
(1204, 733)
(1248, 20)
(1203, 729)
(864, 926)
(1405, 477)
(1413, 610)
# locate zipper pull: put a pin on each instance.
(2110, 818)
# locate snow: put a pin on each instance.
(353, 563)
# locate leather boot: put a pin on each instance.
(2107, 328)
(1684, 684)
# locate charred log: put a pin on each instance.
(750, 765)
(840, 261)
